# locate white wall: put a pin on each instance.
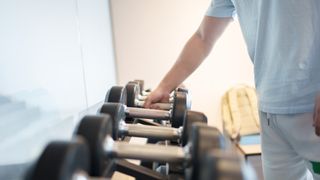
(56, 62)
(149, 35)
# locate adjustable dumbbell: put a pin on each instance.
(177, 114)
(97, 131)
(121, 129)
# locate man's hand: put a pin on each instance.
(316, 115)
(156, 96)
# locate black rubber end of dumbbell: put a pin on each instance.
(117, 113)
(182, 89)
(133, 91)
(219, 164)
(116, 94)
(94, 129)
(179, 110)
(209, 170)
(191, 118)
(204, 139)
(60, 160)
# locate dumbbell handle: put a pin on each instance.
(179, 89)
(146, 152)
(145, 93)
(148, 113)
(143, 98)
(161, 133)
(164, 106)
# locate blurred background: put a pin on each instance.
(58, 58)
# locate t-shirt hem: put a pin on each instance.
(286, 109)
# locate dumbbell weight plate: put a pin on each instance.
(94, 129)
(179, 109)
(61, 160)
(182, 89)
(116, 94)
(192, 117)
(133, 91)
(140, 83)
(116, 112)
(226, 165)
(204, 138)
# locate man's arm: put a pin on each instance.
(194, 52)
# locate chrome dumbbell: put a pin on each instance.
(121, 128)
(97, 131)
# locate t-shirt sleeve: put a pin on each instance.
(221, 8)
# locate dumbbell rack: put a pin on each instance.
(173, 158)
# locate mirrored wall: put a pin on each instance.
(56, 63)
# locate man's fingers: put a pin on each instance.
(165, 99)
(147, 103)
(154, 106)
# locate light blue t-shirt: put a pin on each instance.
(283, 41)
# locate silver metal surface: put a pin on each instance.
(144, 93)
(148, 113)
(142, 98)
(149, 152)
(161, 133)
(163, 106)
(80, 175)
(122, 128)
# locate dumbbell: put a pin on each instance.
(176, 115)
(225, 165)
(63, 160)
(97, 131)
(121, 129)
(70, 160)
(120, 94)
(134, 99)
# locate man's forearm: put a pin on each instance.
(195, 51)
(192, 55)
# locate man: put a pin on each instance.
(283, 42)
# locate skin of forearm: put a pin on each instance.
(194, 52)
(192, 55)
